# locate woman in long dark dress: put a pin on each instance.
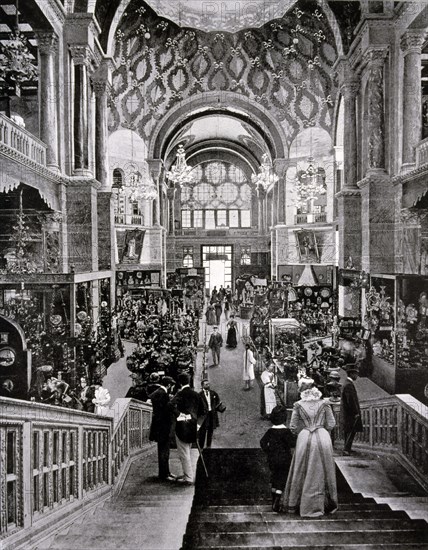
(232, 332)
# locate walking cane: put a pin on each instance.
(202, 458)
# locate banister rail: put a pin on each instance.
(55, 461)
(19, 139)
(399, 424)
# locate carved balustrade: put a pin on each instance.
(397, 424)
(16, 138)
(422, 153)
(55, 460)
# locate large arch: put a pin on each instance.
(225, 103)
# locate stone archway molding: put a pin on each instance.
(227, 103)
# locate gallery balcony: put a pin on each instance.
(128, 219)
(300, 219)
(19, 143)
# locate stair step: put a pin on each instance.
(309, 525)
(285, 540)
(245, 500)
(238, 517)
(362, 546)
(267, 507)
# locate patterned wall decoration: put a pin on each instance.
(217, 185)
(285, 66)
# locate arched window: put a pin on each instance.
(117, 179)
(220, 197)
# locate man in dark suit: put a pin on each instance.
(211, 400)
(215, 343)
(160, 427)
(350, 414)
(188, 408)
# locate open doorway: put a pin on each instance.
(217, 261)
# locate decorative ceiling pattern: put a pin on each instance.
(227, 15)
(285, 66)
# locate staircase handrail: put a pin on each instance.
(55, 461)
(397, 423)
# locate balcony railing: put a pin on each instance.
(310, 218)
(57, 460)
(17, 138)
(422, 153)
(397, 424)
(128, 219)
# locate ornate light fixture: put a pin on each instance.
(309, 183)
(16, 62)
(180, 173)
(266, 176)
(138, 188)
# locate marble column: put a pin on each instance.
(101, 132)
(262, 215)
(155, 167)
(275, 203)
(376, 115)
(411, 44)
(280, 166)
(171, 204)
(47, 43)
(80, 56)
(254, 209)
(349, 91)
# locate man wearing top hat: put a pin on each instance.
(350, 414)
(161, 425)
(211, 401)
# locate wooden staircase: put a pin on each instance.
(232, 509)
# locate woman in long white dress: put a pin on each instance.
(311, 485)
(268, 380)
(248, 371)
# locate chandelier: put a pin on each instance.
(138, 188)
(309, 184)
(16, 62)
(266, 176)
(180, 173)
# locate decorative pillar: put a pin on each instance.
(48, 46)
(155, 167)
(101, 85)
(275, 203)
(280, 166)
(349, 198)
(376, 115)
(262, 215)
(81, 59)
(411, 44)
(171, 203)
(349, 90)
(254, 209)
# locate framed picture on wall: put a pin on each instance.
(307, 246)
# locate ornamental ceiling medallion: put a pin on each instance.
(285, 66)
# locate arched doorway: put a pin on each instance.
(15, 364)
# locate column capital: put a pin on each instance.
(349, 89)
(375, 57)
(82, 55)
(412, 41)
(101, 88)
(261, 191)
(280, 166)
(155, 167)
(170, 193)
(47, 42)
